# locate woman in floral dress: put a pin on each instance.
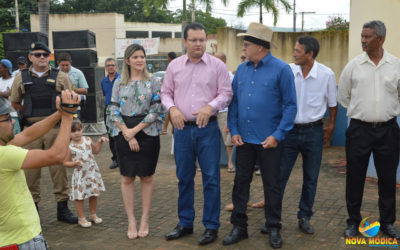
(135, 120)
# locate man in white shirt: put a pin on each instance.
(315, 90)
(369, 89)
(6, 81)
(6, 77)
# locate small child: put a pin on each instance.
(86, 179)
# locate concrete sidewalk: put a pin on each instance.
(329, 219)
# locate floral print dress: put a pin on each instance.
(133, 99)
(86, 180)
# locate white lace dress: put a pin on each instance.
(86, 180)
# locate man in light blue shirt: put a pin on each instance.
(77, 77)
(261, 113)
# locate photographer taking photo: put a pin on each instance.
(19, 219)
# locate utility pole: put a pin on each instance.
(294, 15)
(16, 16)
(302, 18)
(193, 11)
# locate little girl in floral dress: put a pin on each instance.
(86, 179)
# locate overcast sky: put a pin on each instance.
(322, 8)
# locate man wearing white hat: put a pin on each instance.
(264, 88)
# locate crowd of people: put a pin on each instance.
(267, 112)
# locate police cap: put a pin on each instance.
(39, 46)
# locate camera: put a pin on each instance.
(83, 101)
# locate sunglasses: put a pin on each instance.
(38, 55)
(9, 119)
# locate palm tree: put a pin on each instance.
(269, 5)
(162, 4)
(44, 9)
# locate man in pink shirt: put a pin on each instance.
(196, 86)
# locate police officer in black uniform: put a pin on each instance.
(38, 87)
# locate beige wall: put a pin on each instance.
(333, 47)
(106, 26)
(387, 11)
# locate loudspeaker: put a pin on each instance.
(80, 58)
(74, 39)
(13, 55)
(22, 40)
(93, 76)
(93, 110)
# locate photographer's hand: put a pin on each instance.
(68, 102)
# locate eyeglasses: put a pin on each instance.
(110, 65)
(9, 119)
(197, 40)
(246, 45)
(38, 55)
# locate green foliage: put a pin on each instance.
(131, 9)
(269, 5)
(210, 23)
(25, 7)
(337, 23)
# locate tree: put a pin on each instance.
(26, 7)
(269, 5)
(210, 23)
(337, 23)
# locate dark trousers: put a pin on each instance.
(308, 142)
(111, 142)
(383, 142)
(269, 160)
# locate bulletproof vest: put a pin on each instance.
(40, 94)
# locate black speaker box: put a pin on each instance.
(23, 40)
(93, 110)
(80, 57)
(13, 55)
(74, 39)
(93, 76)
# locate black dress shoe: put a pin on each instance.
(238, 233)
(390, 231)
(305, 226)
(208, 236)
(264, 229)
(275, 239)
(178, 232)
(113, 165)
(351, 231)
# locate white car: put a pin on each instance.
(159, 74)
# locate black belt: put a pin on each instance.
(375, 124)
(308, 125)
(193, 123)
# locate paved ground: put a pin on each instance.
(329, 219)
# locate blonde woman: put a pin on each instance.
(135, 121)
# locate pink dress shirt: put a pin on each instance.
(190, 86)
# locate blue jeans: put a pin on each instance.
(308, 142)
(204, 144)
(37, 243)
